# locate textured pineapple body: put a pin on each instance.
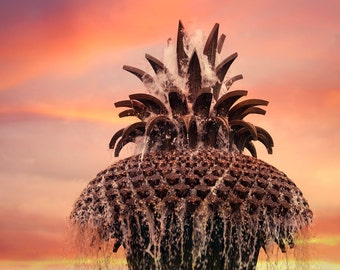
(192, 209)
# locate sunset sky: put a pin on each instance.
(61, 72)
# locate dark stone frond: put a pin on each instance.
(123, 103)
(224, 103)
(211, 45)
(222, 122)
(221, 71)
(121, 143)
(265, 138)
(241, 137)
(252, 110)
(129, 112)
(138, 109)
(264, 132)
(192, 132)
(130, 134)
(237, 110)
(115, 137)
(244, 136)
(151, 102)
(194, 77)
(156, 64)
(135, 129)
(211, 128)
(141, 74)
(202, 104)
(237, 124)
(251, 148)
(162, 133)
(223, 67)
(178, 102)
(220, 43)
(182, 57)
(211, 131)
(155, 121)
(230, 82)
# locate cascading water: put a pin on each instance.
(191, 199)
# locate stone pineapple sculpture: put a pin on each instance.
(192, 199)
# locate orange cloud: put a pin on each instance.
(80, 112)
(70, 36)
(325, 244)
(29, 236)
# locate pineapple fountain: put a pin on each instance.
(192, 199)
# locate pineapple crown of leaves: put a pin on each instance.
(195, 115)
